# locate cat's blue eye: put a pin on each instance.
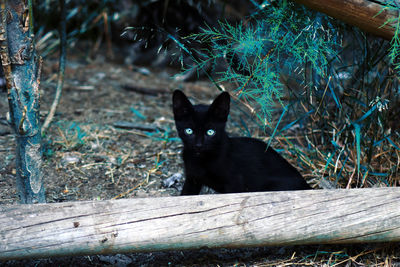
(188, 131)
(210, 132)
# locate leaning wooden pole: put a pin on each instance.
(22, 69)
(368, 15)
(191, 222)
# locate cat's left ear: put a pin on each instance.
(219, 108)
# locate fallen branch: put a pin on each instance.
(138, 126)
(145, 90)
(192, 222)
(365, 14)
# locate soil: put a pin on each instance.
(113, 136)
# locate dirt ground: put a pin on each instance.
(113, 136)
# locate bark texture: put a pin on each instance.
(22, 71)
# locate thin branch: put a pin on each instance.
(61, 71)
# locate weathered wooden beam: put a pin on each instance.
(359, 13)
(190, 222)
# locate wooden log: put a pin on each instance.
(359, 13)
(191, 222)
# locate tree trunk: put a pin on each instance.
(193, 222)
(359, 13)
(22, 73)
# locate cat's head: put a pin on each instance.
(201, 127)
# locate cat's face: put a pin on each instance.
(200, 127)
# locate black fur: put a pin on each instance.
(227, 165)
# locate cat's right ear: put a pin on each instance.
(219, 108)
(181, 105)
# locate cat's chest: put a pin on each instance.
(204, 167)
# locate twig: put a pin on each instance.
(61, 71)
(129, 190)
(144, 90)
(357, 256)
(322, 99)
(107, 33)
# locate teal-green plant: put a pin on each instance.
(279, 38)
(71, 136)
(394, 51)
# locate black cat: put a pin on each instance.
(227, 165)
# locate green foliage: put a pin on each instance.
(71, 136)
(275, 39)
(138, 113)
(164, 135)
(394, 54)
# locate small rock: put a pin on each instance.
(70, 158)
(326, 184)
(143, 71)
(172, 180)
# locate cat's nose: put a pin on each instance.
(198, 145)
